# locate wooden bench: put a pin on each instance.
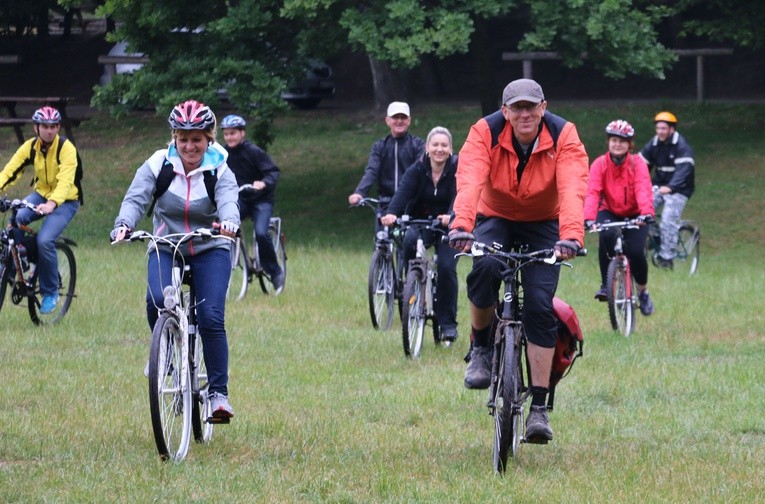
(17, 123)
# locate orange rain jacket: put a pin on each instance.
(553, 185)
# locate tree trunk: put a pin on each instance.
(488, 95)
(386, 82)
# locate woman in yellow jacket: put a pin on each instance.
(57, 193)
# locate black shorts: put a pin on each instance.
(539, 281)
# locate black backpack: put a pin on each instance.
(166, 176)
(78, 171)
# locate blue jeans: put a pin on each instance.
(210, 272)
(260, 212)
(51, 229)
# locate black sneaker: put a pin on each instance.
(538, 429)
(602, 294)
(478, 371)
(665, 263)
(646, 305)
(449, 335)
(278, 281)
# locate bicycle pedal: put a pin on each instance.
(217, 420)
(537, 441)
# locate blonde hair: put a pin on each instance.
(209, 133)
(439, 130)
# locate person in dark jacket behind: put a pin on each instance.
(254, 170)
(673, 180)
(390, 156)
(427, 191)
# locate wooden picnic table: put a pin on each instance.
(9, 103)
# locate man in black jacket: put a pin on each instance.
(671, 158)
(254, 168)
(390, 156)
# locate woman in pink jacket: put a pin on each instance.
(619, 188)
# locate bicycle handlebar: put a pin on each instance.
(623, 224)
(373, 203)
(6, 204)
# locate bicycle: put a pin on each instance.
(509, 388)
(18, 267)
(178, 388)
(687, 249)
(386, 271)
(620, 285)
(245, 266)
(420, 289)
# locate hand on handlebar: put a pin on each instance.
(119, 233)
(566, 249)
(388, 219)
(228, 228)
(645, 219)
(461, 240)
(354, 198)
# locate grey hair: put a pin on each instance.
(436, 131)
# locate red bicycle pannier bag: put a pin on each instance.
(570, 340)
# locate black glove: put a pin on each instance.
(648, 219)
(589, 223)
(567, 248)
(459, 239)
(5, 205)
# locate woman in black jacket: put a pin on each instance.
(427, 191)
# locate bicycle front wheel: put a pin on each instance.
(67, 276)
(508, 413)
(169, 389)
(621, 291)
(381, 290)
(239, 280)
(200, 410)
(688, 247)
(413, 313)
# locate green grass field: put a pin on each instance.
(329, 410)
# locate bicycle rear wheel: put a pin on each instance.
(621, 291)
(169, 390)
(67, 276)
(239, 281)
(688, 247)
(281, 259)
(508, 413)
(381, 290)
(200, 410)
(413, 313)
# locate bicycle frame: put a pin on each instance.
(178, 307)
(24, 283)
(621, 308)
(509, 387)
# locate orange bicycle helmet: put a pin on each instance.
(667, 117)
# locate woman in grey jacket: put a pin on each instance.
(185, 206)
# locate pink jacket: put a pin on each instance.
(623, 189)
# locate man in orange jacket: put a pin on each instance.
(521, 180)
